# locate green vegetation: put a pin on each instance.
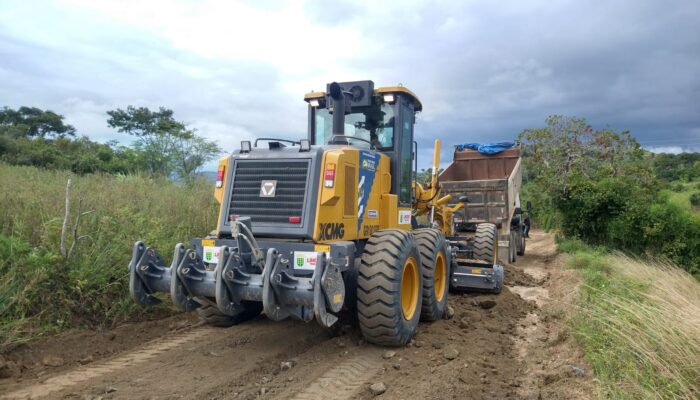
(599, 186)
(637, 323)
(163, 146)
(43, 291)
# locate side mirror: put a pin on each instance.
(463, 199)
(528, 206)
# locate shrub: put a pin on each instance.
(695, 199)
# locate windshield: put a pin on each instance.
(373, 124)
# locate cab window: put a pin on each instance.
(373, 124)
(406, 159)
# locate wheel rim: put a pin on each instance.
(440, 276)
(409, 288)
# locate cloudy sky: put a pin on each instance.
(484, 70)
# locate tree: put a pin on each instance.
(33, 122)
(192, 153)
(165, 145)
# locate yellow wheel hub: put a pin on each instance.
(440, 276)
(409, 288)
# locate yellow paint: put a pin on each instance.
(440, 274)
(409, 288)
(219, 192)
(208, 242)
(322, 247)
(331, 201)
(337, 298)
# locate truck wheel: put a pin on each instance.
(521, 241)
(212, 316)
(435, 266)
(389, 287)
(512, 247)
(485, 243)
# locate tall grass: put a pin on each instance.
(638, 324)
(41, 291)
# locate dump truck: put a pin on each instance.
(322, 228)
(491, 184)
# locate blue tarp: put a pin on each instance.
(486, 148)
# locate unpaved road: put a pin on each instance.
(512, 345)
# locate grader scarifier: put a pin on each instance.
(328, 226)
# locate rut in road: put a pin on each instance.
(344, 380)
(132, 358)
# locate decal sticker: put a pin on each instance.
(368, 167)
(331, 231)
(404, 217)
(211, 254)
(305, 260)
(372, 214)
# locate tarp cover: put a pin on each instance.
(486, 148)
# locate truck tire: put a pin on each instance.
(389, 286)
(521, 242)
(486, 243)
(211, 315)
(435, 267)
(512, 244)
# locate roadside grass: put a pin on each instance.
(680, 195)
(638, 324)
(41, 292)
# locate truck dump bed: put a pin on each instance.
(492, 183)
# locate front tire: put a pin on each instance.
(435, 267)
(389, 286)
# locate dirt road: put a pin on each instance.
(512, 345)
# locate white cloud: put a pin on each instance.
(238, 69)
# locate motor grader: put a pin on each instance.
(327, 226)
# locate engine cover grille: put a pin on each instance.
(291, 178)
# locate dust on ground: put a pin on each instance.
(512, 345)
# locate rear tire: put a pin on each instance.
(389, 286)
(521, 241)
(212, 316)
(435, 266)
(485, 243)
(512, 247)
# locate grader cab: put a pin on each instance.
(326, 226)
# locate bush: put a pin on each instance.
(695, 199)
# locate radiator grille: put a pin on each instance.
(290, 193)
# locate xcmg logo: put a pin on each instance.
(331, 231)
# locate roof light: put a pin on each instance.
(314, 103)
(245, 146)
(389, 98)
(304, 145)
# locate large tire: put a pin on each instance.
(521, 242)
(212, 316)
(486, 243)
(389, 286)
(435, 266)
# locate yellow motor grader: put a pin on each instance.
(326, 225)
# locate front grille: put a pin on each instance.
(289, 196)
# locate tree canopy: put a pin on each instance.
(33, 122)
